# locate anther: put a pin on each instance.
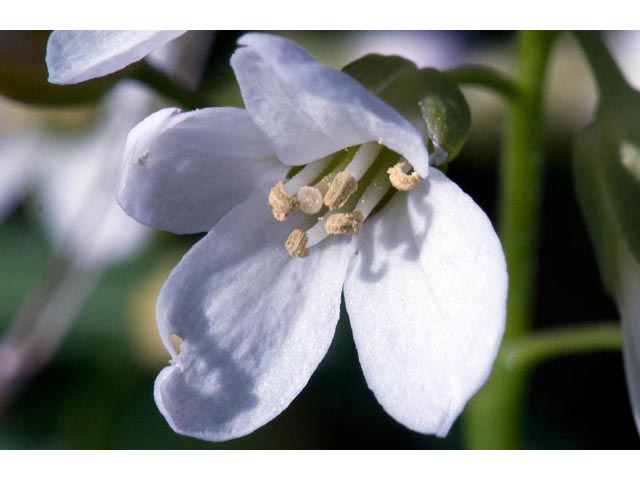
(296, 244)
(341, 188)
(344, 223)
(400, 180)
(309, 200)
(282, 204)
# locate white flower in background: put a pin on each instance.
(434, 49)
(75, 56)
(73, 173)
(424, 282)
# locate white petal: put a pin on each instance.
(184, 171)
(254, 322)
(309, 110)
(184, 59)
(74, 56)
(426, 299)
(629, 304)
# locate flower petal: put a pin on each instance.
(184, 171)
(629, 304)
(254, 323)
(309, 110)
(184, 59)
(426, 298)
(74, 56)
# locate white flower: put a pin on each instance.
(75, 56)
(74, 174)
(424, 282)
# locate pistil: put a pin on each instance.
(309, 200)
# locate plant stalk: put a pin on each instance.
(494, 416)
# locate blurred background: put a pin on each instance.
(79, 350)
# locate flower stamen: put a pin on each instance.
(307, 175)
(296, 244)
(282, 204)
(344, 223)
(400, 179)
(345, 183)
(342, 187)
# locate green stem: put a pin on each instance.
(474, 75)
(524, 353)
(164, 85)
(521, 179)
(494, 415)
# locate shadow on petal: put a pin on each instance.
(382, 243)
(204, 391)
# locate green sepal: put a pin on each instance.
(378, 72)
(445, 111)
(426, 97)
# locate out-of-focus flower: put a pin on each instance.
(69, 159)
(184, 58)
(424, 283)
(607, 176)
(75, 56)
(73, 173)
(424, 48)
(69, 170)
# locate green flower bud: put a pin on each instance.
(427, 97)
(23, 73)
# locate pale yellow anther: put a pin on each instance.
(282, 204)
(403, 181)
(296, 244)
(344, 223)
(341, 188)
(309, 200)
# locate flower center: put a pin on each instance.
(341, 191)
